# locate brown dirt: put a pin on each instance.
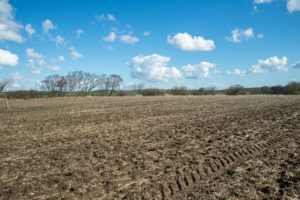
(212, 147)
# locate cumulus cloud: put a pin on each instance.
(146, 33)
(127, 39)
(75, 54)
(237, 72)
(79, 31)
(238, 35)
(54, 68)
(262, 1)
(201, 70)
(30, 52)
(296, 65)
(260, 35)
(293, 5)
(34, 69)
(153, 68)
(8, 59)
(269, 65)
(9, 29)
(29, 30)
(264, 66)
(47, 25)
(186, 42)
(16, 75)
(111, 37)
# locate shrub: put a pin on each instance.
(153, 92)
(23, 94)
(235, 90)
(179, 91)
(122, 93)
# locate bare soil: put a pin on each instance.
(207, 147)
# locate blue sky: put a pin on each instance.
(160, 43)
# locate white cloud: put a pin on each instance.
(59, 40)
(264, 66)
(33, 68)
(99, 17)
(9, 29)
(293, 5)
(186, 42)
(60, 58)
(128, 25)
(75, 54)
(127, 39)
(237, 72)
(109, 47)
(29, 30)
(296, 65)
(260, 35)
(146, 33)
(117, 31)
(269, 65)
(12, 85)
(47, 25)
(7, 58)
(201, 70)
(1, 68)
(255, 9)
(54, 68)
(111, 37)
(79, 31)
(111, 17)
(16, 75)
(153, 69)
(262, 1)
(239, 35)
(30, 53)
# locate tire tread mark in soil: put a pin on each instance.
(219, 166)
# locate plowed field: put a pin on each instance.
(207, 147)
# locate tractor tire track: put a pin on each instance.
(210, 170)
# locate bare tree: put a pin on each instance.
(4, 83)
(89, 81)
(140, 87)
(115, 81)
(107, 83)
(62, 86)
(73, 79)
(50, 84)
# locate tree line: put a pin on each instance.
(79, 83)
(292, 88)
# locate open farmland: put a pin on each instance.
(211, 147)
